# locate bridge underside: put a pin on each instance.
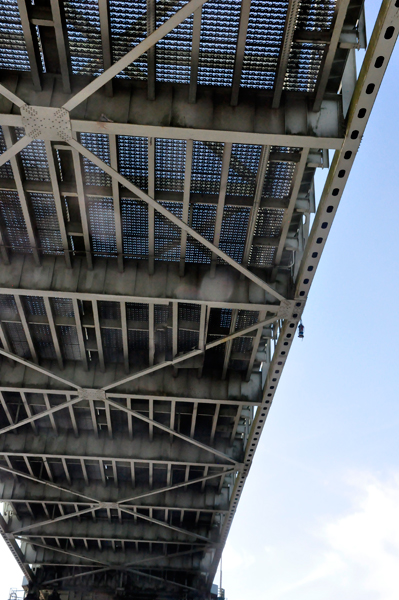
(156, 193)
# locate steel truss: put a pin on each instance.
(136, 469)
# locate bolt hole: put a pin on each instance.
(341, 173)
(361, 113)
(335, 192)
(389, 32)
(354, 134)
(379, 61)
(305, 281)
(370, 88)
(330, 209)
(319, 240)
(316, 254)
(324, 225)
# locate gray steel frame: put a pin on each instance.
(99, 403)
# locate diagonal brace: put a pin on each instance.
(175, 220)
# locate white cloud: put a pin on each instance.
(360, 550)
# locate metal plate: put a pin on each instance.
(46, 123)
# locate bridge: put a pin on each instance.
(157, 245)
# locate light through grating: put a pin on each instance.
(173, 52)
(135, 228)
(13, 54)
(18, 340)
(5, 170)
(268, 222)
(47, 223)
(262, 48)
(84, 36)
(243, 168)
(128, 22)
(15, 232)
(219, 32)
(206, 167)
(133, 160)
(167, 234)
(34, 159)
(170, 159)
(278, 179)
(98, 144)
(102, 226)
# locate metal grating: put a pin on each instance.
(84, 36)
(278, 179)
(136, 311)
(47, 223)
(8, 308)
(17, 337)
(102, 226)
(34, 160)
(315, 15)
(203, 218)
(233, 232)
(161, 314)
(303, 67)
(43, 342)
(268, 222)
(5, 170)
(262, 256)
(98, 144)
(243, 168)
(138, 341)
(15, 232)
(112, 345)
(173, 52)
(135, 228)
(170, 160)
(206, 167)
(69, 342)
(62, 307)
(219, 32)
(262, 48)
(128, 21)
(167, 235)
(187, 340)
(189, 312)
(133, 160)
(109, 310)
(13, 54)
(34, 306)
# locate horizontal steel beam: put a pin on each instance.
(211, 118)
(184, 498)
(55, 280)
(159, 453)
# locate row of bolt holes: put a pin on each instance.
(354, 135)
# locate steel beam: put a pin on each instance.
(195, 45)
(240, 50)
(61, 36)
(324, 73)
(31, 45)
(285, 48)
(55, 189)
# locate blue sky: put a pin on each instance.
(319, 515)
